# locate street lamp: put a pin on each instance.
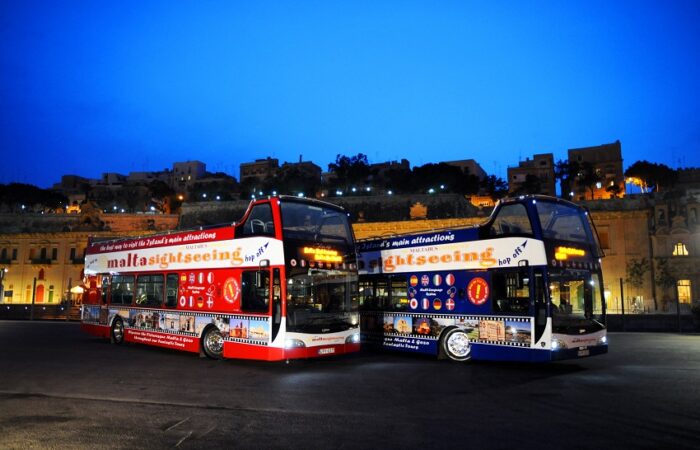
(3, 271)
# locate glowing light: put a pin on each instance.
(563, 253)
(323, 254)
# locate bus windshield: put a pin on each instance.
(321, 301)
(314, 223)
(566, 223)
(575, 295)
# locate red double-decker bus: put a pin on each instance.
(281, 284)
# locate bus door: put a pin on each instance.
(540, 302)
(276, 303)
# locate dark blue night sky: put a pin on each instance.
(117, 86)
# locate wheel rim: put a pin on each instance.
(118, 331)
(458, 345)
(214, 343)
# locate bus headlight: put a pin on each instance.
(603, 340)
(558, 345)
(294, 343)
(353, 339)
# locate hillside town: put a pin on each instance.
(646, 217)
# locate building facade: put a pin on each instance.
(606, 163)
(41, 267)
(259, 170)
(539, 169)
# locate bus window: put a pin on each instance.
(122, 289)
(105, 289)
(171, 286)
(511, 219)
(511, 292)
(255, 297)
(399, 294)
(259, 222)
(149, 290)
(374, 295)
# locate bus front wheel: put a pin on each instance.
(456, 345)
(117, 331)
(213, 343)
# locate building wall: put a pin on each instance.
(541, 166)
(383, 229)
(55, 257)
(607, 161)
(260, 169)
(624, 237)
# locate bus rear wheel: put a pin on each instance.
(117, 331)
(213, 343)
(456, 345)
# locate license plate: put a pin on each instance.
(585, 352)
(326, 351)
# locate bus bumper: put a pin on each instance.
(581, 352)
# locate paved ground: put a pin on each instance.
(63, 389)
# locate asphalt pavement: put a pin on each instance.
(61, 388)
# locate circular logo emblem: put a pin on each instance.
(414, 280)
(424, 280)
(437, 280)
(231, 290)
(450, 304)
(478, 291)
(450, 279)
(437, 304)
(414, 303)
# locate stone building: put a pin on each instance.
(606, 161)
(44, 260)
(541, 167)
(259, 170)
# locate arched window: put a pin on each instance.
(51, 293)
(41, 274)
(680, 250)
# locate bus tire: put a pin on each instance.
(117, 332)
(455, 345)
(213, 343)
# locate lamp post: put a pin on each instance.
(3, 271)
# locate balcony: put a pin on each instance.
(41, 261)
(76, 260)
(5, 261)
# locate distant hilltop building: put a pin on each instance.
(259, 170)
(533, 176)
(185, 174)
(469, 164)
(606, 162)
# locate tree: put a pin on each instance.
(614, 190)
(664, 277)
(14, 195)
(291, 180)
(565, 172)
(651, 176)
(494, 186)
(636, 269)
(588, 177)
(349, 171)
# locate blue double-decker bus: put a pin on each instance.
(526, 285)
